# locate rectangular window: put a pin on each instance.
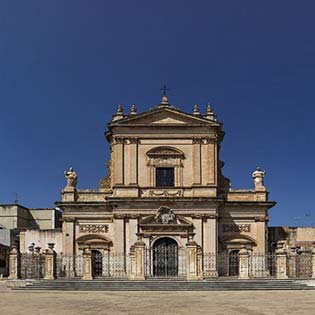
(164, 177)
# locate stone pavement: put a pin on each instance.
(156, 303)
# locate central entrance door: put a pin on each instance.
(97, 263)
(234, 263)
(165, 257)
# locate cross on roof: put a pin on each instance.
(164, 89)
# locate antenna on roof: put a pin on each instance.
(16, 198)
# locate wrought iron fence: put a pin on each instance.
(299, 265)
(69, 266)
(167, 262)
(32, 266)
(262, 265)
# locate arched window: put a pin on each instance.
(165, 167)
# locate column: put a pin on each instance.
(87, 265)
(196, 161)
(208, 162)
(133, 161)
(210, 244)
(243, 263)
(131, 231)
(50, 262)
(14, 263)
(118, 162)
(281, 262)
(119, 233)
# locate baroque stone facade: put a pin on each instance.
(195, 204)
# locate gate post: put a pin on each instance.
(137, 260)
(281, 262)
(14, 263)
(199, 263)
(191, 258)
(292, 265)
(243, 263)
(50, 262)
(87, 265)
(313, 261)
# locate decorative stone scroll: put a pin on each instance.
(235, 228)
(93, 228)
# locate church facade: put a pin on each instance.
(164, 188)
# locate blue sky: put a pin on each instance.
(65, 65)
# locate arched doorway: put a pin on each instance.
(97, 263)
(165, 257)
(234, 262)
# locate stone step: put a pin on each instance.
(165, 285)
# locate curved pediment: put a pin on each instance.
(165, 151)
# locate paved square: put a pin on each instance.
(156, 303)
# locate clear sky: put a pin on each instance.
(65, 65)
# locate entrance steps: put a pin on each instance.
(164, 285)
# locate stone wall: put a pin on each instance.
(41, 238)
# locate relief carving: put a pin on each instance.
(166, 193)
(165, 215)
(93, 228)
(235, 228)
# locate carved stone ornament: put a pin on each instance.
(258, 177)
(165, 151)
(165, 193)
(105, 183)
(235, 228)
(93, 228)
(71, 177)
(165, 215)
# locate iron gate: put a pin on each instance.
(165, 259)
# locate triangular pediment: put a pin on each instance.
(165, 116)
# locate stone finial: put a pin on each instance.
(164, 100)
(119, 113)
(196, 110)
(133, 110)
(13, 249)
(210, 114)
(71, 177)
(258, 176)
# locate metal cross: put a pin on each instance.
(164, 89)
